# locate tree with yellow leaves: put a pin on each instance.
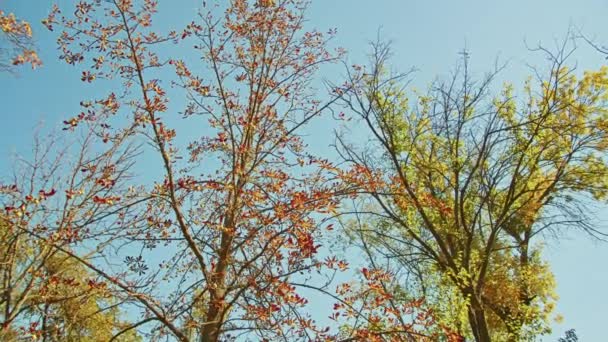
(467, 181)
(46, 290)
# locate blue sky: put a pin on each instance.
(427, 35)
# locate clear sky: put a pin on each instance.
(427, 35)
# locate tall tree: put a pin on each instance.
(466, 182)
(218, 244)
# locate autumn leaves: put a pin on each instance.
(225, 234)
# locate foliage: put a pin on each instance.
(47, 292)
(374, 309)
(188, 206)
(570, 336)
(467, 181)
(218, 245)
(16, 37)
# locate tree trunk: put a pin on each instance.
(211, 330)
(217, 304)
(477, 320)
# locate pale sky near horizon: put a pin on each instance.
(427, 35)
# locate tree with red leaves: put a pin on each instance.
(221, 237)
(214, 245)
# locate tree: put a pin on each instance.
(219, 243)
(219, 237)
(46, 293)
(17, 47)
(467, 182)
(216, 246)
